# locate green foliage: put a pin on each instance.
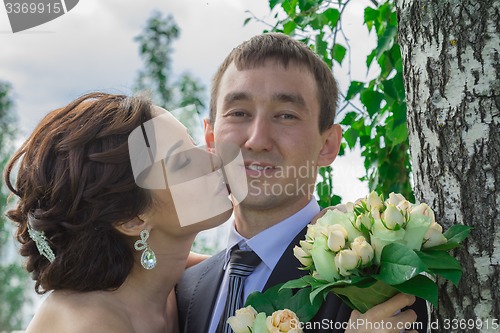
(155, 47)
(157, 77)
(7, 120)
(13, 278)
(13, 283)
(278, 298)
(324, 188)
(207, 245)
(380, 126)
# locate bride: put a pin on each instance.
(111, 194)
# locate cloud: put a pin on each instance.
(92, 48)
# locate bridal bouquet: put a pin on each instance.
(372, 249)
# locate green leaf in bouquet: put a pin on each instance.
(363, 299)
(363, 281)
(346, 300)
(415, 231)
(443, 264)
(438, 260)
(457, 233)
(279, 297)
(297, 283)
(322, 291)
(303, 307)
(382, 237)
(358, 281)
(453, 275)
(316, 283)
(420, 286)
(361, 208)
(398, 264)
(259, 324)
(443, 247)
(260, 302)
(324, 260)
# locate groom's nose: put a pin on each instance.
(259, 135)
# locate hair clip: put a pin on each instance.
(41, 243)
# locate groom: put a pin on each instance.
(275, 99)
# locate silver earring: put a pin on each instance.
(148, 257)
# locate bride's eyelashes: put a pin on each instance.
(180, 161)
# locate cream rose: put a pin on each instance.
(346, 220)
(363, 249)
(373, 202)
(364, 219)
(434, 236)
(242, 321)
(346, 260)
(392, 217)
(283, 321)
(395, 199)
(314, 231)
(336, 237)
(423, 209)
(304, 257)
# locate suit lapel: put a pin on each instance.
(205, 294)
(287, 267)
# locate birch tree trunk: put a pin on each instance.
(450, 51)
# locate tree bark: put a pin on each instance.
(450, 51)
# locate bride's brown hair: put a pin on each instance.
(75, 183)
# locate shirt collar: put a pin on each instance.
(271, 243)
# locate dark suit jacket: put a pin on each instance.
(197, 292)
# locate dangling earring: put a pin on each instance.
(148, 257)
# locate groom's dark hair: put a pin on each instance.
(75, 184)
(286, 51)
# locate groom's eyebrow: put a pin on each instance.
(236, 97)
(289, 98)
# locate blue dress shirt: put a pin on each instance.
(269, 245)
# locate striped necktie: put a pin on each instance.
(241, 265)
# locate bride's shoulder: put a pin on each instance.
(68, 311)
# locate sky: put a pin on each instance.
(92, 48)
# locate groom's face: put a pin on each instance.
(272, 114)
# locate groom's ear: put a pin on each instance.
(331, 144)
(209, 135)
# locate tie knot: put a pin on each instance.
(242, 263)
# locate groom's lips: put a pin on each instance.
(258, 168)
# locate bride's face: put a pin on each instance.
(187, 182)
